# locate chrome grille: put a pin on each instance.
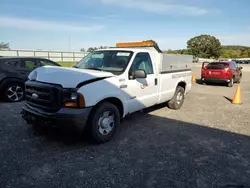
(45, 96)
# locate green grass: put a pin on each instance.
(67, 64)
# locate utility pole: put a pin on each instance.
(69, 44)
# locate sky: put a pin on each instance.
(70, 25)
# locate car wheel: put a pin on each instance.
(239, 80)
(14, 92)
(203, 82)
(104, 122)
(178, 99)
(231, 83)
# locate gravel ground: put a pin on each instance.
(206, 144)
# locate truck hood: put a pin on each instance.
(67, 77)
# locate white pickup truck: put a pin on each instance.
(105, 86)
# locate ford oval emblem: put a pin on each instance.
(34, 96)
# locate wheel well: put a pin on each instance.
(182, 84)
(115, 101)
(7, 81)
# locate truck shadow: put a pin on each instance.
(70, 136)
(166, 146)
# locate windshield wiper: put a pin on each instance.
(94, 69)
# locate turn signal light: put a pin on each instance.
(81, 101)
(71, 104)
(76, 102)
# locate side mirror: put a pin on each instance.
(140, 74)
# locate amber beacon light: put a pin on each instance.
(135, 44)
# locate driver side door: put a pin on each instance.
(143, 92)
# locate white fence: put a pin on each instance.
(52, 55)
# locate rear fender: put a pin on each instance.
(186, 81)
(204, 64)
(203, 67)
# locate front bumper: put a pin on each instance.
(76, 118)
(216, 80)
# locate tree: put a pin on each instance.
(90, 49)
(204, 46)
(4, 46)
(82, 50)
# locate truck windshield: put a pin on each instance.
(107, 60)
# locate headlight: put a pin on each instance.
(73, 96)
(72, 99)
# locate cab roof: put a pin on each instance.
(133, 49)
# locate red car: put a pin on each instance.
(226, 72)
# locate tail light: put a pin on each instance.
(227, 71)
(203, 68)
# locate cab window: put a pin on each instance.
(13, 63)
(233, 65)
(142, 61)
(29, 64)
(45, 62)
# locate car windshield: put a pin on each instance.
(107, 60)
(217, 65)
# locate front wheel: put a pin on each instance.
(14, 92)
(104, 122)
(178, 99)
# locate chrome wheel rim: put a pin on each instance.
(15, 93)
(106, 122)
(179, 97)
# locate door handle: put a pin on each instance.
(123, 86)
(156, 81)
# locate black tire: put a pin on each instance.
(231, 83)
(238, 81)
(102, 108)
(174, 103)
(14, 89)
(201, 81)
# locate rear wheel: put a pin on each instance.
(178, 99)
(231, 83)
(104, 122)
(203, 82)
(14, 92)
(238, 81)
